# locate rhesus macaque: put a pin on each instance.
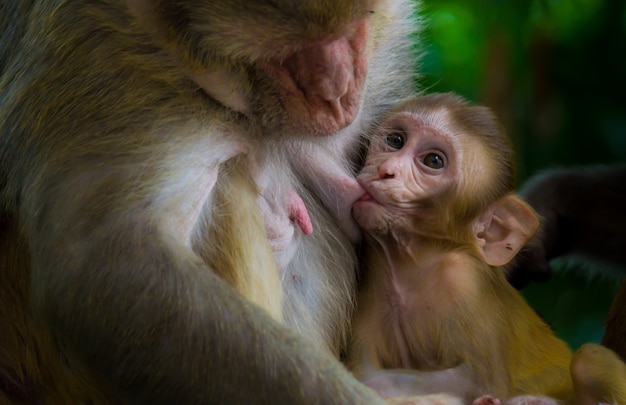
(583, 215)
(435, 311)
(153, 155)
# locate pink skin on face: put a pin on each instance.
(321, 84)
(401, 171)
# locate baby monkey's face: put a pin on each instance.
(409, 164)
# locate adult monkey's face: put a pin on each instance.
(294, 66)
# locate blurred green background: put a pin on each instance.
(554, 71)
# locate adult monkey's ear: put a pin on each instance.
(504, 228)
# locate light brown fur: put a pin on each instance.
(238, 254)
(599, 376)
(435, 310)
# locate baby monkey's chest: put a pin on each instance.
(412, 326)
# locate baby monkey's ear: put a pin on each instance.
(503, 229)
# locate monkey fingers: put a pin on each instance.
(487, 400)
(531, 400)
(517, 400)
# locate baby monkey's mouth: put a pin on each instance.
(366, 197)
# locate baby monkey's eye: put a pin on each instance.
(434, 160)
(395, 140)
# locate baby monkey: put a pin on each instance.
(439, 216)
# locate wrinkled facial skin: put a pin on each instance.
(320, 86)
(408, 163)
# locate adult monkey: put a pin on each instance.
(116, 120)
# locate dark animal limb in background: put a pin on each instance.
(582, 215)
